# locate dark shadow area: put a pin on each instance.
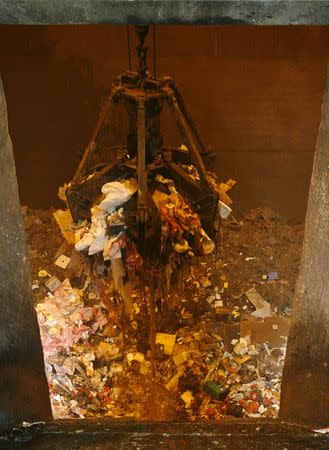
(52, 106)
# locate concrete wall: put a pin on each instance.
(254, 92)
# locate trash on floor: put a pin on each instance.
(214, 358)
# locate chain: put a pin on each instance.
(141, 32)
(142, 54)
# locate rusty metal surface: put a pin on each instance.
(143, 96)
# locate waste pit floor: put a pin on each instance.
(238, 434)
(221, 343)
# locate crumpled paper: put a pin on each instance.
(95, 237)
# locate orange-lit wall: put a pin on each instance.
(254, 92)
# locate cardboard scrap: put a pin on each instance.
(263, 308)
(167, 340)
(223, 188)
(64, 220)
(63, 261)
(241, 359)
(180, 358)
(172, 384)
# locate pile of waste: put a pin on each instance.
(106, 232)
(109, 239)
(95, 370)
(181, 228)
(222, 308)
(219, 347)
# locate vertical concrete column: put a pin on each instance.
(305, 382)
(23, 387)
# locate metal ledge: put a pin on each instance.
(237, 434)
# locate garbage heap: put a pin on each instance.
(112, 247)
(95, 368)
(96, 333)
(219, 353)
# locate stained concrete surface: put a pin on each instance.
(229, 435)
(266, 12)
(23, 385)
